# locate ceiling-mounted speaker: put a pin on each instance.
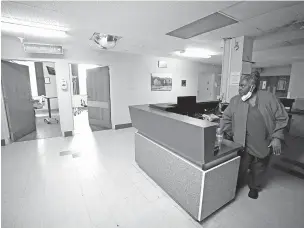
(42, 48)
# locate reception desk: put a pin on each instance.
(178, 153)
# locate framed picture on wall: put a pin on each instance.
(47, 80)
(161, 82)
(263, 85)
(184, 83)
(281, 84)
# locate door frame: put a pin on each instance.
(7, 120)
(70, 78)
(110, 86)
(9, 125)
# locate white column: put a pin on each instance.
(236, 61)
(64, 96)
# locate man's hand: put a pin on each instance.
(276, 146)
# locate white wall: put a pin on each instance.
(129, 78)
(276, 71)
(33, 79)
(296, 83)
(50, 89)
(209, 84)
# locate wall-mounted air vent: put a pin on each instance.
(43, 48)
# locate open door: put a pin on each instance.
(17, 98)
(99, 103)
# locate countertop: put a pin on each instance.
(296, 112)
(171, 135)
(182, 118)
(227, 146)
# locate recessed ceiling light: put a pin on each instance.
(195, 53)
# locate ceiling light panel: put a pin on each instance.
(31, 28)
(195, 53)
(250, 9)
(211, 22)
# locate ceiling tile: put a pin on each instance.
(286, 53)
(146, 23)
(278, 18)
(271, 41)
(250, 9)
(47, 5)
(32, 14)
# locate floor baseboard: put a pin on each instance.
(122, 126)
(68, 133)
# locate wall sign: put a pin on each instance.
(235, 78)
(264, 84)
(47, 80)
(184, 83)
(162, 64)
(64, 84)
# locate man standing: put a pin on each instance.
(255, 119)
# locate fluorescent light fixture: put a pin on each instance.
(32, 28)
(195, 53)
(88, 66)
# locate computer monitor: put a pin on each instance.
(51, 70)
(186, 101)
(223, 106)
(208, 106)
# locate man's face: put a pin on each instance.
(244, 87)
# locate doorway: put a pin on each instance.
(30, 98)
(91, 97)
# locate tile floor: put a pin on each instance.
(103, 187)
(81, 124)
(44, 130)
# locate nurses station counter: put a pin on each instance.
(178, 153)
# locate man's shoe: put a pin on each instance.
(253, 193)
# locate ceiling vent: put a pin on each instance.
(105, 41)
(42, 48)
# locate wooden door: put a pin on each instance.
(17, 96)
(99, 103)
